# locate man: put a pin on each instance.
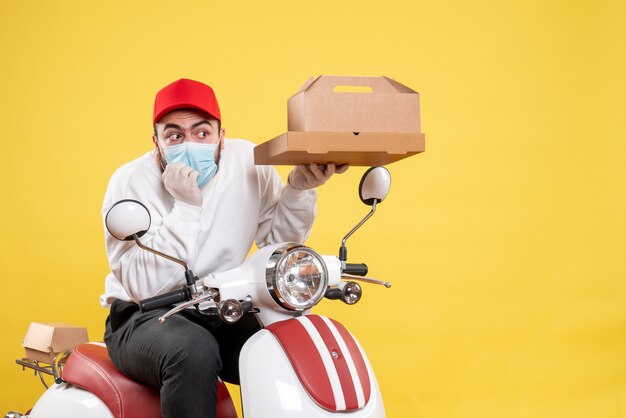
(208, 203)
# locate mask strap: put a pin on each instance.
(219, 151)
(158, 154)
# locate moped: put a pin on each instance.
(298, 365)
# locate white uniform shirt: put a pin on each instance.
(242, 204)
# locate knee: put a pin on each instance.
(196, 355)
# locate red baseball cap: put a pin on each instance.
(185, 93)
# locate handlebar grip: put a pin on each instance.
(359, 269)
(165, 299)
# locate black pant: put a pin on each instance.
(182, 357)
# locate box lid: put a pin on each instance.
(354, 104)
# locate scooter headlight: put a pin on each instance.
(296, 277)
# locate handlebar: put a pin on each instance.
(164, 300)
(358, 269)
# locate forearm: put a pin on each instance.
(289, 219)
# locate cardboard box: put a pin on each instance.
(357, 120)
(44, 340)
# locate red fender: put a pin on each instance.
(327, 360)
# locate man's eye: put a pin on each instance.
(203, 134)
(174, 137)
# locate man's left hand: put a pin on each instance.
(304, 177)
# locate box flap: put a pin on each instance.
(39, 336)
(400, 87)
(378, 85)
(306, 84)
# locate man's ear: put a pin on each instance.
(157, 153)
(218, 150)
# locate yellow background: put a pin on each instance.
(504, 241)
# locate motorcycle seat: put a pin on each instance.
(90, 368)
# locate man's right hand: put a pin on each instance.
(181, 181)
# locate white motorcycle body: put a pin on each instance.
(271, 384)
(298, 366)
(68, 401)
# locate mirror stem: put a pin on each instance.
(343, 251)
(188, 274)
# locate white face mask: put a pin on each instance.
(200, 157)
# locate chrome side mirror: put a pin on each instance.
(375, 185)
(126, 219)
(373, 188)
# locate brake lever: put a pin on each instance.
(205, 296)
(365, 279)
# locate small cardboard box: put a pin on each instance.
(357, 120)
(44, 340)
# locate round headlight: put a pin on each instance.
(296, 277)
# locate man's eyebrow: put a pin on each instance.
(172, 125)
(195, 125)
(202, 122)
